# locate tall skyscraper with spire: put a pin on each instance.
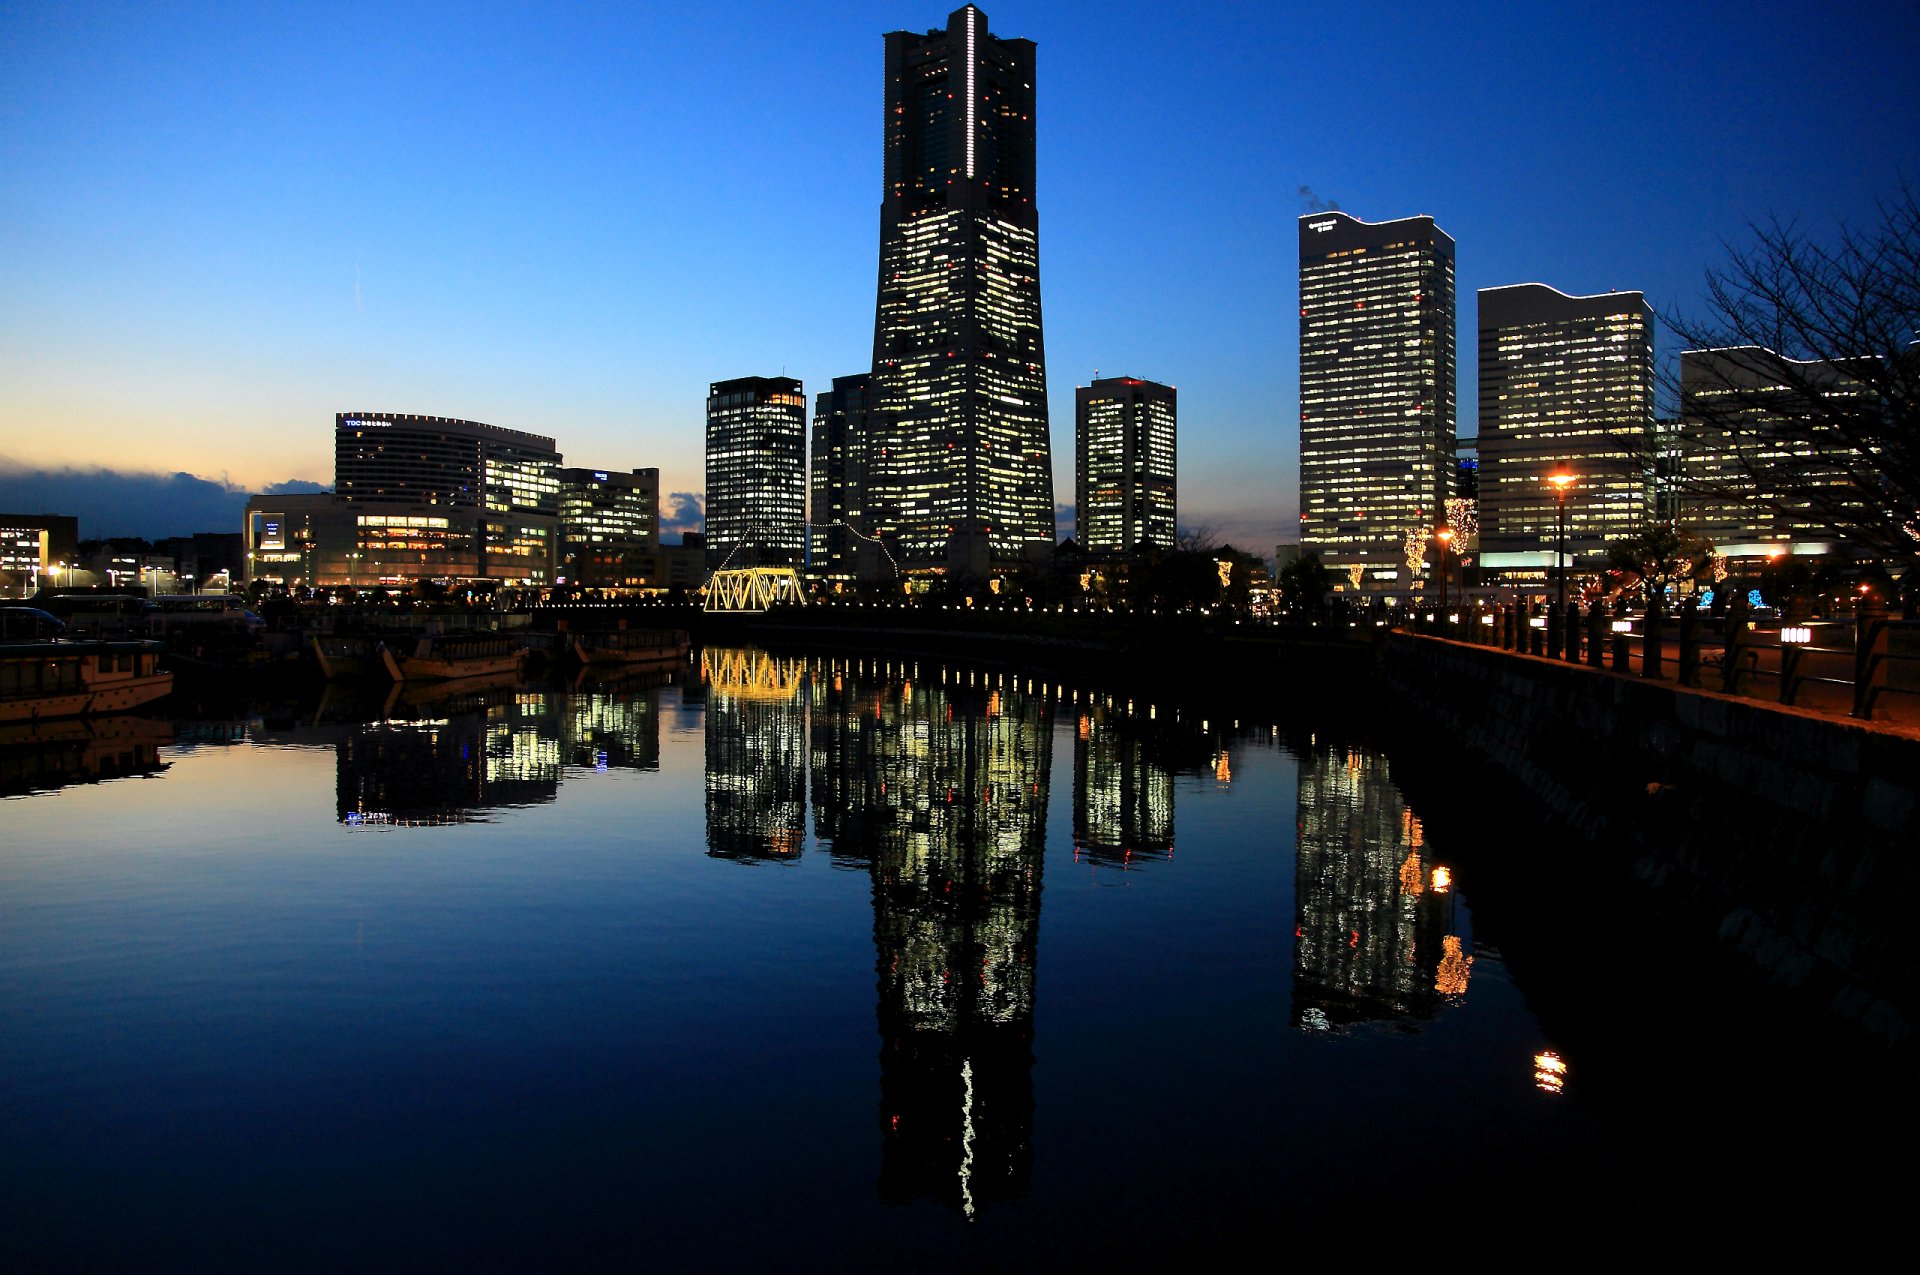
(960, 465)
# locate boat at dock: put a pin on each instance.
(354, 655)
(632, 646)
(41, 680)
(442, 656)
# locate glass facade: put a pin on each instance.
(1566, 386)
(960, 436)
(1376, 392)
(756, 472)
(610, 528)
(1753, 475)
(439, 464)
(836, 505)
(1124, 465)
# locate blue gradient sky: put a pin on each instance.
(222, 224)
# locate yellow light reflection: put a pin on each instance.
(1442, 879)
(1455, 967)
(1549, 1072)
(1412, 879)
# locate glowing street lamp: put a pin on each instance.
(1560, 482)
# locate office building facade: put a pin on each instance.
(1756, 475)
(36, 549)
(836, 500)
(416, 498)
(1566, 387)
(962, 463)
(610, 529)
(1377, 408)
(756, 511)
(1124, 466)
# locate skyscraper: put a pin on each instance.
(756, 472)
(961, 460)
(837, 502)
(1376, 392)
(1758, 475)
(1566, 386)
(610, 528)
(1124, 474)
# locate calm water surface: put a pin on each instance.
(807, 963)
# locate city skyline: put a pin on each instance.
(295, 220)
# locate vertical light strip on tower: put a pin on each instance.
(972, 126)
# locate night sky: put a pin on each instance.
(222, 224)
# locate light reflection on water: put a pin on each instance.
(518, 971)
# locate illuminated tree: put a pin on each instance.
(1659, 557)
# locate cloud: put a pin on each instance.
(112, 502)
(1063, 521)
(681, 512)
(294, 487)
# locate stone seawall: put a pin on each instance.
(1794, 836)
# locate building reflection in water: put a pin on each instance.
(42, 756)
(477, 750)
(615, 728)
(1374, 919)
(756, 740)
(939, 786)
(1122, 789)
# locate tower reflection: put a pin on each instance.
(614, 728)
(756, 756)
(939, 785)
(470, 752)
(1122, 790)
(1373, 917)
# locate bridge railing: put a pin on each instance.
(1868, 668)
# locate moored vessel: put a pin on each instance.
(450, 655)
(40, 680)
(632, 646)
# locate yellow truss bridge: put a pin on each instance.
(752, 589)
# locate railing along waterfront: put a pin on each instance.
(1855, 668)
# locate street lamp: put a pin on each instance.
(1560, 482)
(1443, 535)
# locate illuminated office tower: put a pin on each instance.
(756, 472)
(610, 528)
(1566, 386)
(1756, 475)
(962, 463)
(1376, 392)
(434, 497)
(1124, 479)
(837, 502)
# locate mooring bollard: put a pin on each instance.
(1869, 660)
(1572, 629)
(1650, 644)
(1553, 632)
(1596, 635)
(1623, 652)
(1734, 657)
(1690, 646)
(1536, 638)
